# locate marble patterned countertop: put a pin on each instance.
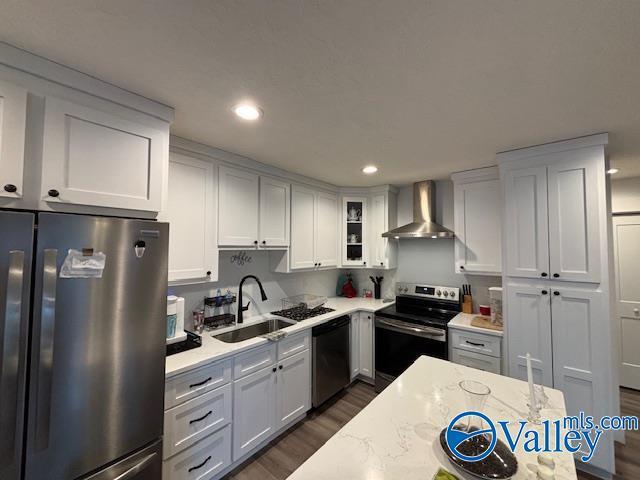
(213, 350)
(396, 435)
(462, 321)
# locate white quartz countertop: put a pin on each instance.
(212, 349)
(462, 321)
(396, 436)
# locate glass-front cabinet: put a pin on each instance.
(354, 231)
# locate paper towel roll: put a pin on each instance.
(180, 319)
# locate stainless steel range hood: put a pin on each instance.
(424, 215)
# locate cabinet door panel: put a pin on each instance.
(379, 225)
(303, 221)
(190, 212)
(94, 158)
(580, 364)
(366, 344)
(274, 212)
(574, 230)
(529, 314)
(13, 113)
(526, 227)
(355, 344)
(253, 410)
(478, 210)
(327, 230)
(237, 208)
(293, 388)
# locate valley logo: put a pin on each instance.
(569, 434)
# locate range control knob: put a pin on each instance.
(445, 293)
(405, 290)
(438, 292)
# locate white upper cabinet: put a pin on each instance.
(254, 210)
(191, 214)
(91, 157)
(383, 252)
(526, 222)
(238, 201)
(529, 315)
(303, 221)
(478, 225)
(274, 212)
(13, 110)
(326, 231)
(574, 229)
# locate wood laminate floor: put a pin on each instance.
(287, 452)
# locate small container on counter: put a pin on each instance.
(172, 315)
(495, 303)
(484, 310)
(198, 320)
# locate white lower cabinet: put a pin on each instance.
(253, 410)
(293, 393)
(204, 460)
(476, 349)
(361, 345)
(475, 360)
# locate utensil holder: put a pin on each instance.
(376, 291)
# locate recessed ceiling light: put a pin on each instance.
(246, 111)
(611, 171)
(369, 169)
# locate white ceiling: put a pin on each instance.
(419, 88)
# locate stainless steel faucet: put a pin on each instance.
(242, 308)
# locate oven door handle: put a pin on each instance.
(411, 329)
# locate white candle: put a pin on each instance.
(532, 392)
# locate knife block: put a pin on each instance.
(467, 304)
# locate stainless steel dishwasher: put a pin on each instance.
(331, 370)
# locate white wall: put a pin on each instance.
(276, 285)
(625, 195)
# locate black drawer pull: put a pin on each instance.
(475, 344)
(199, 466)
(200, 383)
(195, 420)
(10, 188)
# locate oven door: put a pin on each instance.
(399, 344)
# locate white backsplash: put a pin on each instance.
(276, 285)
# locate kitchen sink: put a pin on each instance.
(252, 331)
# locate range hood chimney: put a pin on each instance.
(424, 215)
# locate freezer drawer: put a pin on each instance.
(143, 465)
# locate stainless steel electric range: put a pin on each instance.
(415, 325)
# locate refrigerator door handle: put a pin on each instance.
(11, 354)
(45, 361)
(137, 468)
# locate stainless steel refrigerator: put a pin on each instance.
(81, 355)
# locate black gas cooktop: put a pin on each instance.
(302, 313)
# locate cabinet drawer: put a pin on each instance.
(201, 461)
(185, 424)
(254, 360)
(294, 344)
(189, 385)
(476, 360)
(476, 342)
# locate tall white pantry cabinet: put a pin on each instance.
(556, 275)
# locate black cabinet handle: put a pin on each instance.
(319, 264)
(195, 420)
(273, 369)
(475, 344)
(556, 275)
(544, 292)
(11, 188)
(208, 273)
(255, 242)
(543, 274)
(461, 267)
(315, 264)
(556, 292)
(264, 242)
(280, 367)
(364, 263)
(382, 264)
(53, 193)
(199, 466)
(199, 384)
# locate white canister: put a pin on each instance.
(180, 316)
(172, 315)
(495, 302)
